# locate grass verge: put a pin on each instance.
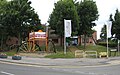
(10, 53)
(71, 51)
(61, 55)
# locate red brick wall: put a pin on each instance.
(89, 40)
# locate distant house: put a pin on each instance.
(54, 37)
(75, 40)
(89, 40)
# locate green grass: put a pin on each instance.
(70, 51)
(61, 55)
(97, 48)
(10, 53)
(91, 47)
(59, 48)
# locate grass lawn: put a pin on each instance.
(61, 55)
(71, 51)
(10, 53)
(97, 48)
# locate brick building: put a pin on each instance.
(89, 40)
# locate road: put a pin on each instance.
(13, 69)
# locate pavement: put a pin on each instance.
(64, 62)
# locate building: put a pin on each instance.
(74, 40)
(89, 40)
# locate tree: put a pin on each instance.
(88, 13)
(116, 25)
(103, 34)
(3, 3)
(19, 18)
(64, 9)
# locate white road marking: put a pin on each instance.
(6, 73)
(78, 71)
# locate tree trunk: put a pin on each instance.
(94, 40)
(62, 41)
(2, 42)
(19, 39)
(84, 41)
(79, 40)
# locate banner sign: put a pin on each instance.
(109, 26)
(67, 26)
(37, 35)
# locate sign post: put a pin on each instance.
(108, 29)
(67, 32)
(46, 38)
(118, 48)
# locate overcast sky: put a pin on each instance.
(105, 8)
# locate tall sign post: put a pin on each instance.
(118, 47)
(46, 38)
(107, 41)
(108, 28)
(67, 32)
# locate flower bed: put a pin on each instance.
(103, 54)
(16, 57)
(3, 55)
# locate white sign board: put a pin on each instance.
(67, 25)
(109, 26)
(37, 35)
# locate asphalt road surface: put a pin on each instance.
(13, 69)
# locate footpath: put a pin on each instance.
(64, 62)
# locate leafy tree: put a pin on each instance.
(88, 13)
(116, 25)
(19, 18)
(3, 3)
(103, 34)
(64, 9)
